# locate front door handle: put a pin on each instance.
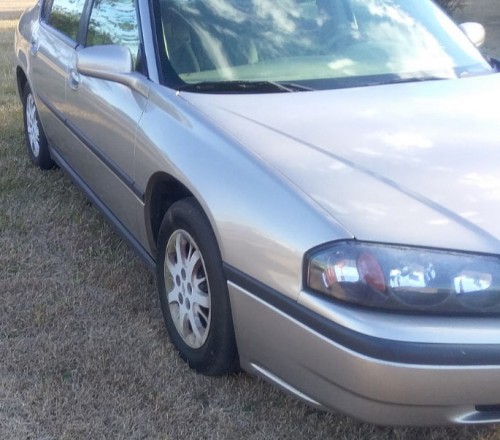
(34, 46)
(74, 79)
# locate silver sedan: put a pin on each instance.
(314, 183)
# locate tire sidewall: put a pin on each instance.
(218, 353)
(43, 160)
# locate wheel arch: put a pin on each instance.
(21, 79)
(163, 190)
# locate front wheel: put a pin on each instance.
(36, 141)
(193, 291)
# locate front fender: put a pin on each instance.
(263, 224)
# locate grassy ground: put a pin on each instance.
(83, 351)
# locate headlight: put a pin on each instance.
(405, 278)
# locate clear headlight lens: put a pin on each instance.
(405, 278)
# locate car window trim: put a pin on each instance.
(84, 22)
(144, 69)
(45, 8)
(148, 38)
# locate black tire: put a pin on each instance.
(36, 141)
(204, 336)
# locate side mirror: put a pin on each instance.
(111, 62)
(475, 32)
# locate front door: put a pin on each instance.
(104, 114)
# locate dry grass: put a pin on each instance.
(83, 349)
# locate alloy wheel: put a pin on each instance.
(32, 126)
(187, 287)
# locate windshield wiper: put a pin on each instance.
(410, 80)
(243, 87)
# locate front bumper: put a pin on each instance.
(411, 378)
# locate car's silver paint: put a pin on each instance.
(107, 114)
(104, 61)
(266, 374)
(382, 171)
(409, 328)
(272, 205)
(388, 161)
(46, 70)
(371, 389)
(109, 62)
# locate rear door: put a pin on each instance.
(104, 115)
(53, 44)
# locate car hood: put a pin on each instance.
(414, 163)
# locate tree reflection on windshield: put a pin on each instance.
(310, 40)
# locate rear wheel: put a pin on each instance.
(36, 141)
(193, 291)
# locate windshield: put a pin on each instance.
(310, 44)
